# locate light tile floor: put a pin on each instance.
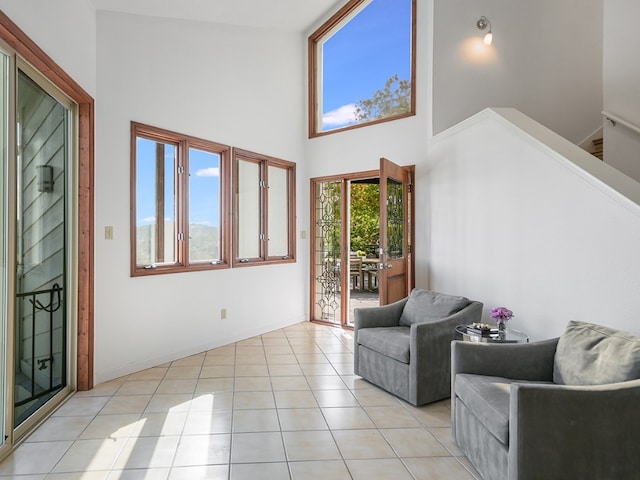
(284, 405)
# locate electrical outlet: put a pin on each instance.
(303, 234)
(223, 314)
(108, 232)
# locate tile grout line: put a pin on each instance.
(331, 346)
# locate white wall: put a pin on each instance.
(622, 84)
(235, 85)
(546, 61)
(64, 29)
(510, 222)
(621, 66)
(622, 148)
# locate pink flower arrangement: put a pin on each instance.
(501, 314)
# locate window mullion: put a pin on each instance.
(264, 199)
(226, 205)
(160, 202)
(182, 207)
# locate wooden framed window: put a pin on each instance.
(180, 187)
(264, 209)
(362, 66)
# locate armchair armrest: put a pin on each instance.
(372, 317)
(384, 316)
(586, 432)
(430, 352)
(521, 361)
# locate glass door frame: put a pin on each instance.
(345, 181)
(16, 42)
(10, 435)
(7, 190)
(20, 44)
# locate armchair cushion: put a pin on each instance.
(424, 305)
(392, 342)
(589, 354)
(488, 399)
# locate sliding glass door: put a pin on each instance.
(40, 353)
(36, 127)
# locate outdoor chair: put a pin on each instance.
(355, 272)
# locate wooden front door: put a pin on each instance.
(396, 270)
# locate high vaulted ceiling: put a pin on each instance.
(296, 15)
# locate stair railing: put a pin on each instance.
(615, 119)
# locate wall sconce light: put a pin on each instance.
(45, 178)
(482, 24)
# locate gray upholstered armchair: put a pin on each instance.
(405, 347)
(566, 408)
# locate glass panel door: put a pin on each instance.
(396, 278)
(40, 353)
(327, 237)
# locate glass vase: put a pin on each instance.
(502, 333)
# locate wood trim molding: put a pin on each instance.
(32, 53)
(85, 347)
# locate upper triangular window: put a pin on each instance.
(361, 65)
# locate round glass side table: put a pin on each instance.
(508, 336)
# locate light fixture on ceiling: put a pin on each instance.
(482, 24)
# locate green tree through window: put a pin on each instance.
(365, 217)
(391, 101)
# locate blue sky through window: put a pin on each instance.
(204, 188)
(204, 184)
(359, 58)
(146, 181)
